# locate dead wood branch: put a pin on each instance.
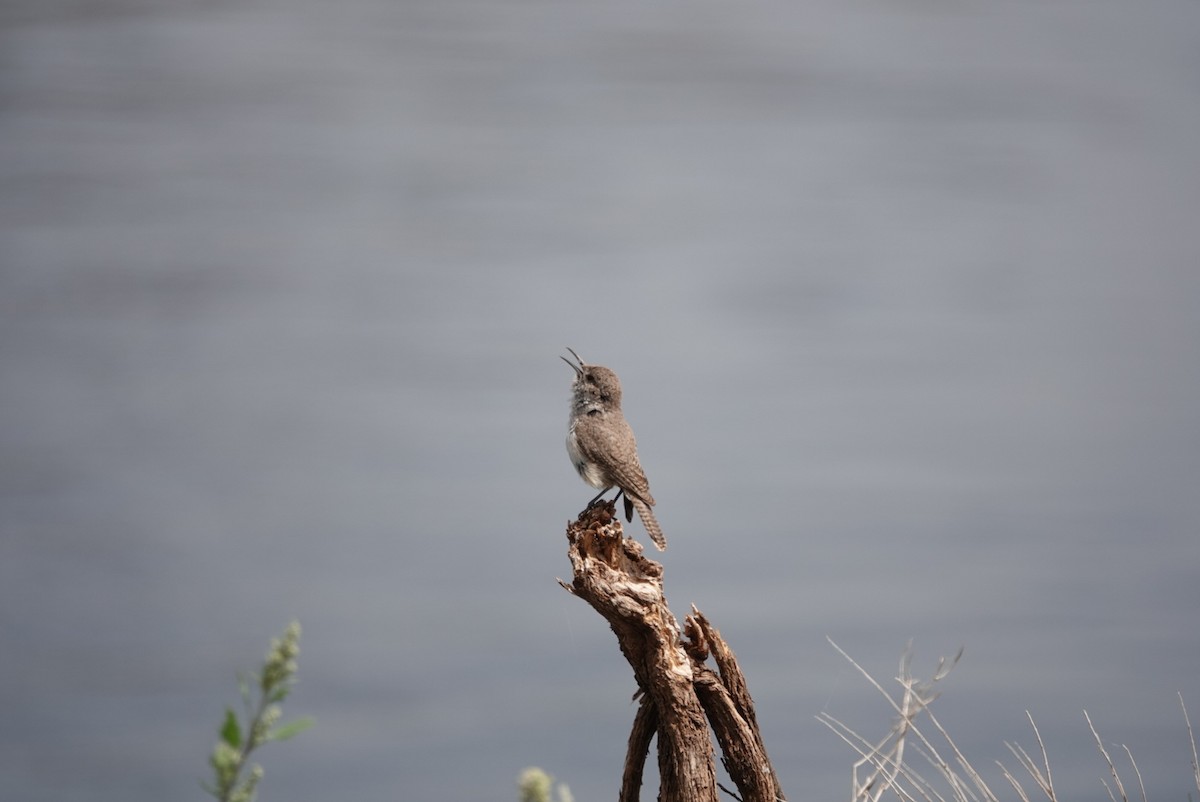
(681, 696)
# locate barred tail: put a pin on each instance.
(648, 521)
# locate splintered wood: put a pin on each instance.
(681, 697)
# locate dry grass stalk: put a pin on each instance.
(882, 766)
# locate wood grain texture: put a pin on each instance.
(681, 697)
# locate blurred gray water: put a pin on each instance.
(905, 299)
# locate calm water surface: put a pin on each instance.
(904, 299)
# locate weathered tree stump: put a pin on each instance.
(681, 697)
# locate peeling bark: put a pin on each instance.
(681, 696)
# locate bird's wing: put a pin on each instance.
(612, 444)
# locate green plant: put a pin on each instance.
(535, 786)
(234, 780)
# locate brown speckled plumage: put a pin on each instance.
(601, 443)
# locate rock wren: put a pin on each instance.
(601, 444)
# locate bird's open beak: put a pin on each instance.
(577, 368)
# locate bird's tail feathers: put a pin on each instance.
(649, 521)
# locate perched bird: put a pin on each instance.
(601, 444)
